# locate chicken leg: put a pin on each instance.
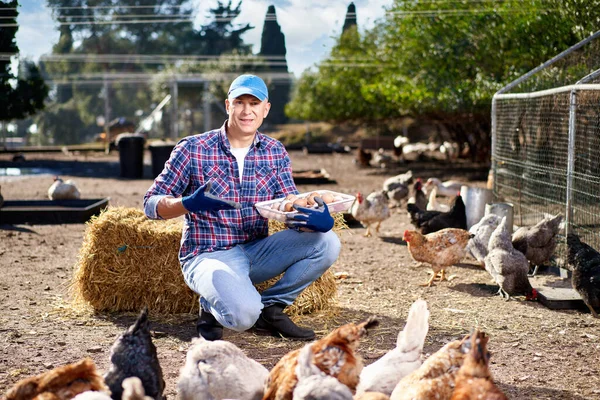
(368, 233)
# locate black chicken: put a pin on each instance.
(134, 354)
(585, 262)
(433, 221)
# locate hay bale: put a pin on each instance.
(128, 261)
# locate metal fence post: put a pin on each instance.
(570, 164)
(494, 144)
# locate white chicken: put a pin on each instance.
(447, 188)
(384, 374)
(63, 190)
(478, 245)
(220, 370)
(373, 209)
(434, 205)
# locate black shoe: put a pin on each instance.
(274, 320)
(208, 327)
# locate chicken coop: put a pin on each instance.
(546, 143)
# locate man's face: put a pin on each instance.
(246, 114)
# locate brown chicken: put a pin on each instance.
(61, 383)
(333, 355)
(435, 378)
(441, 249)
(474, 380)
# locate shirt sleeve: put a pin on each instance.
(172, 181)
(286, 180)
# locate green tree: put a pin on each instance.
(101, 27)
(21, 95)
(444, 60)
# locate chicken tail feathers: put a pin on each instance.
(142, 322)
(412, 337)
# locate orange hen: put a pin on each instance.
(333, 355)
(435, 378)
(474, 380)
(441, 249)
(61, 383)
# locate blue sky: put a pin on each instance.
(308, 25)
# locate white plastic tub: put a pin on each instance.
(343, 203)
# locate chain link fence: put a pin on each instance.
(546, 143)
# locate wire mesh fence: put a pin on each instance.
(546, 143)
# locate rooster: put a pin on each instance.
(134, 354)
(373, 209)
(384, 374)
(440, 249)
(538, 242)
(63, 190)
(61, 383)
(435, 378)
(221, 370)
(474, 380)
(507, 265)
(333, 355)
(585, 263)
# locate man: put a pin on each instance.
(214, 179)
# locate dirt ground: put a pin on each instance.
(537, 353)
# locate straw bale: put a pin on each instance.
(128, 261)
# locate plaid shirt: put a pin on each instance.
(197, 159)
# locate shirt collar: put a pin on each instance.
(226, 146)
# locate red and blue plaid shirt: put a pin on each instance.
(197, 159)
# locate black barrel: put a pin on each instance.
(160, 153)
(131, 155)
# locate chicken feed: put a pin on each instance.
(127, 261)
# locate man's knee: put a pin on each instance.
(331, 247)
(242, 316)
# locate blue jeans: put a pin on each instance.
(225, 279)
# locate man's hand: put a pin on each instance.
(201, 200)
(316, 219)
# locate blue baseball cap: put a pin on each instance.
(248, 84)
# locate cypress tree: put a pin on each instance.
(350, 20)
(272, 49)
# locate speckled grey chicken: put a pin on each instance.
(507, 265)
(585, 262)
(478, 245)
(219, 369)
(538, 242)
(396, 187)
(384, 374)
(372, 210)
(134, 354)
